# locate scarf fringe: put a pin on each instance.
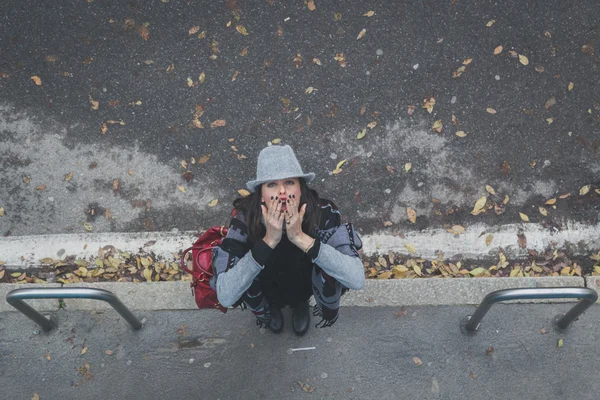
(323, 323)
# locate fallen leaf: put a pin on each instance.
(490, 110)
(235, 75)
(47, 355)
(68, 176)
(564, 196)
(93, 103)
(550, 102)
(339, 165)
(539, 69)
(524, 217)
(115, 185)
(311, 5)
(410, 248)
(457, 229)
(488, 239)
(35, 397)
(560, 343)
(317, 61)
(143, 31)
(217, 123)
(181, 188)
(461, 134)
(549, 120)
(274, 141)
(522, 240)
(304, 386)
(498, 50)
(204, 159)
(412, 215)
(551, 201)
(37, 80)
(336, 171)
(407, 166)
(543, 211)
(490, 189)
(372, 124)
(386, 223)
(490, 350)
(417, 361)
(428, 104)
(1, 211)
(193, 30)
(479, 205)
(477, 271)
(147, 274)
(523, 59)
(108, 352)
(2, 274)
(361, 134)
(437, 126)
(242, 29)
(490, 23)
(244, 192)
(103, 128)
(361, 34)
(513, 54)
(213, 203)
(369, 13)
(584, 190)
(84, 350)
(571, 86)
(244, 52)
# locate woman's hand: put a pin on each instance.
(274, 221)
(293, 229)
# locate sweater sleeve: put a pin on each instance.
(336, 253)
(230, 283)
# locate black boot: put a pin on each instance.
(301, 319)
(276, 325)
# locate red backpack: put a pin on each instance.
(202, 272)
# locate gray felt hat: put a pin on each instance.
(277, 162)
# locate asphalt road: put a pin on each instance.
(276, 70)
(371, 353)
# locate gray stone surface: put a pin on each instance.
(39, 305)
(593, 282)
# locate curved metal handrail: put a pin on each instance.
(471, 323)
(15, 298)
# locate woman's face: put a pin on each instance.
(283, 189)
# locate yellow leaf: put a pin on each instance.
(88, 227)
(407, 166)
(202, 77)
(311, 5)
(94, 103)
(309, 90)
(417, 361)
(477, 271)
(523, 59)
(417, 270)
(560, 343)
(276, 141)
(339, 165)
(361, 134)
(488, 239)
(184, 164)
(317, 61)
(584, 190)
(181, 188)
(543, 211)
(412, 215)
(372, 125)
(1, 211)
(68, 176)
(551, 201)
(437, 126)
(2, 273)
(361, 34)
(35, 397)
(235, 75)
(369, 13)
(37, 80)
(148, 274)
(515, 271)
(457, 229)
(213, 203)
(47, 260)
(84, 350)
(336, 171)
(524, 217)
(244, 52)
(15, 274)
(549, 120)
(490, 189)
(219, 122)
(428, 104)
(479, 204)
(490, 23)
(410, 248)
(193, 30)
(564, 196)
(388, 223)
(461, 134)
(490, 110)
(498, 50)
(244, 192)
(571, 86)
(241, 29)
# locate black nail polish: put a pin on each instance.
(276, 197)
(293, 196)
(271, 197)
(288, 200)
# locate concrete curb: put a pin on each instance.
(153, 296)
(593, 282)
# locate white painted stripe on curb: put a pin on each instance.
(26, 251)
(154, 296)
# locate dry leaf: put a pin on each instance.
(456, 229)
(103, 128)
(244, 52)
(84, 350)
(1, 211)
(339, 165)
(437, 126)
(193, 30)
(311, 5)
(524, 217)
(412, 215)
(361, 134)
(108, 352)
(522, 240)
(47, 355)
(523, 59)
(584, 190)
(213, 203)
(543, 211)
(369, 13)
(181, 188)
(242, 29)
(550, 102)
(490, 110)
(564, 196)
(461, 134)
(361, 34)
(549, 120)
(244, 192)
(204, 159)
(410, 248)
(560, 343)
(498, 50)
(479, 205)
(407, 166)
(40, 187)
(372, 124)
(428, 104)
(93, 103)
(26, 179)
(35, 397)
(571, 86)
(68, 176)
(490, 23)
(37, 80)
(417, 361)
(217, 123)
(490, 189)
(551, 201)
(317, 61)
(234, 77)
(488, 239)
(388, 223)
(309, 90)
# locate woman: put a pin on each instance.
(285, 244)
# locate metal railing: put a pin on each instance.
(15, 298)
(588, 297)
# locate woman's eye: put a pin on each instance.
(290, 182)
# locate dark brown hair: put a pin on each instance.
(250, 207)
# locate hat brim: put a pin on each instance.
(251, 185)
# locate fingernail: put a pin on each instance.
(288, 200)
(276, 197)
(271, 197)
